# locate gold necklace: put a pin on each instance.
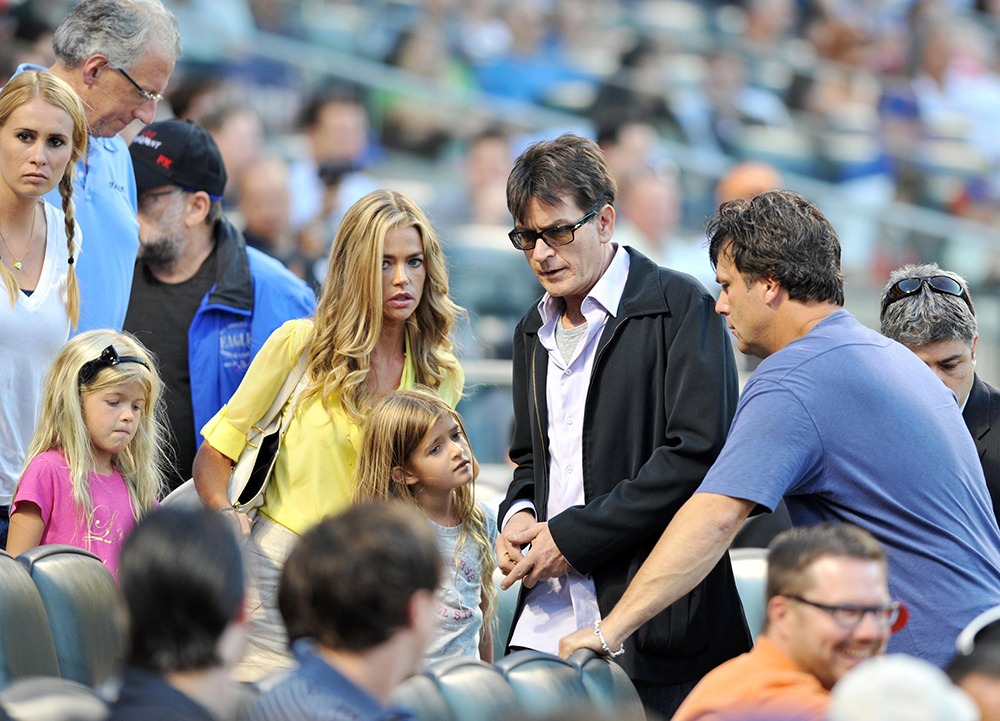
(31, 237)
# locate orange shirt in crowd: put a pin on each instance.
(763, 682)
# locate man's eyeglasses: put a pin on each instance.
(849, 616)
(553, 237)
(937, 283)
(146, 198)
(147, 95)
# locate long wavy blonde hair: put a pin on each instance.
(61, 425)
(23, 89)
(394, 429)
(349, 315)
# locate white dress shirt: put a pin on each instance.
(560, 606)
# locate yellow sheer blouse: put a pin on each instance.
(313, 473)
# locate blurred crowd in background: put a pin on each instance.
(881, 111)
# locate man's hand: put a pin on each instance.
(542, 562)
(584, 638)
(508, 552)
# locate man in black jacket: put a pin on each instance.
(624, 387)
(929, 310)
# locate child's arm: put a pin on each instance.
(486, 636)
(26, 528)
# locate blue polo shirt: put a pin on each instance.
(316, 691)
(104, 197)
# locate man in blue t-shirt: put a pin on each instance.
(843, 423)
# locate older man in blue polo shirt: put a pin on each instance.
(117, 55)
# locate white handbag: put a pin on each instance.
(252, 471)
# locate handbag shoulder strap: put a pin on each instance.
(291, 382)
(296, 392)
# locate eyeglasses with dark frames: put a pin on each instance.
(553, 237)
(146, 197)
(938, 283)
(146, 94)
(849, 616)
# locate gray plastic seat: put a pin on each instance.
(607, 684)
(85, 610)
(474, 690)
(51, 699)
(542, 682)
(421, 697)
(506, 605)
(26, 646)
(750, 570)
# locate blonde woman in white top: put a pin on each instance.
(43, 132)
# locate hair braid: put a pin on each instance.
(72, 286)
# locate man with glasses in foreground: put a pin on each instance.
(624, 385)
(118, 56)
(828, 609)
(930, 312)
(842, 422)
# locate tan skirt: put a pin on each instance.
(265, 553)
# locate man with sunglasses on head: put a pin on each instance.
(828, 610)
(842, 422)
(118, 56)
(929, 310)
(624, 385)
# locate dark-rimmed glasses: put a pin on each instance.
(109, 357)
(849, 616)
(553, 237)
(147, 95)
(146, 197)
(937, 283)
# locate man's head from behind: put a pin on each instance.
(363, 579)
(180, 178)
(181, 573)
(118, 55)
(930, 312)
(828, 605)
(765, 249)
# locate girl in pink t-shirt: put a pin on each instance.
(94, 460)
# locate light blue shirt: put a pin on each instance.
(104, 197)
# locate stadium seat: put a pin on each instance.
(474, 690)
(607, 684)
(750, 569)
(506, 605)
(542, 682)
(85, 610)
(420, 696)
(45, 698)
(26, 647)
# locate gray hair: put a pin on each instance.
(121, 30)
(926, 316)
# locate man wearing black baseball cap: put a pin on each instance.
(201, 299)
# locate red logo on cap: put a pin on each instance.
(164, 161)
(148, 133)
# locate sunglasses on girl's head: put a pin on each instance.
(107, 359)
(937, 283)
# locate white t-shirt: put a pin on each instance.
(31, 334)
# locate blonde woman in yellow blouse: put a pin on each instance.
(383, 322)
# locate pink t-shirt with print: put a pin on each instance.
(46, 483)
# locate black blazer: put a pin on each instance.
(662, 395)
(982, 411)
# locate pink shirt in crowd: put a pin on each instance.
(46, 483)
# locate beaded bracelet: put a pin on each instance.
(604, 644)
